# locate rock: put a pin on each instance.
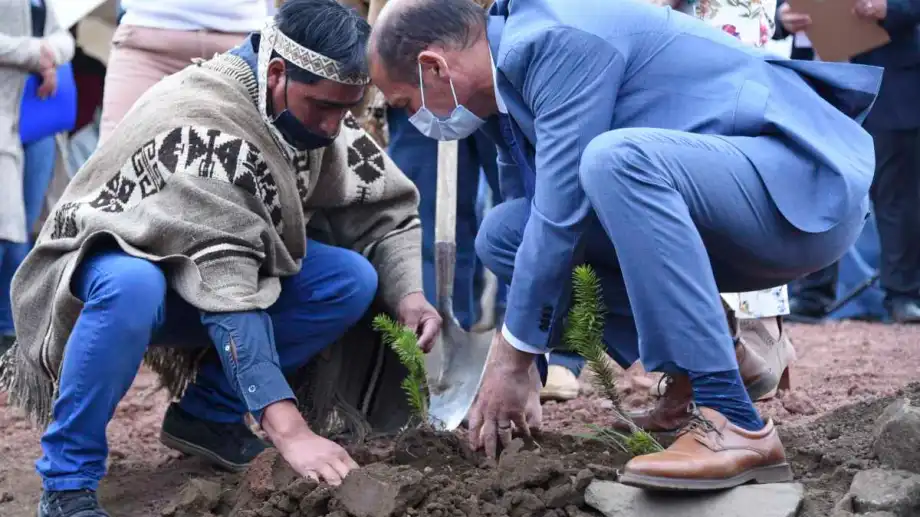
(892, 491)
(197, 498)
(570, 492)
(524, 469)
(897, 437)
(616, 500)
(379, 490)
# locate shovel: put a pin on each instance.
(457, 362)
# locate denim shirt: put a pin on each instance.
(245, 341)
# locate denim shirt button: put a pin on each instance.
(252, 388)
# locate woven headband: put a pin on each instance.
(306, 59)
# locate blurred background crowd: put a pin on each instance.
(76, 67)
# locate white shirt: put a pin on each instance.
(239, 16)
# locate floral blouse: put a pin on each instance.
(751, 21)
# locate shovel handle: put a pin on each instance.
(445, 230)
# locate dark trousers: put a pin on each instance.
(895, 197)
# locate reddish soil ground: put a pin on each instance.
(838, 364)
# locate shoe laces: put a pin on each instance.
(73, 502)
(698, 423)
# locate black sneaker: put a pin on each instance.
(228, 446)
(70, 503)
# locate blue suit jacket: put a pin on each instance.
(568, 75)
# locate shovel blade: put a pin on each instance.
(455, 368)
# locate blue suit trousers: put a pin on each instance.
(677, 218)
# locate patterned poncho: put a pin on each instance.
(196, 181)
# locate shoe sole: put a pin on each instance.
(191, 449)
(763, 475)
(559, 396)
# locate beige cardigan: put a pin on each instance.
(19, 56)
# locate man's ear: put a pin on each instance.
(276, 69)
(434, 62)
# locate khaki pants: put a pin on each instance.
(141, 56)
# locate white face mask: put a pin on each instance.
(460, 124)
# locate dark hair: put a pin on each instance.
(327, 28)
(454, 24)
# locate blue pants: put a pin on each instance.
(38, 169)
(677, 218)
(128, 307)
(417, 156)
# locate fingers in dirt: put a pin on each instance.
(330, 475)
(475, 428)
(341, 468)
(489, 437)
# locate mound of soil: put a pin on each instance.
(826, 453)
(428, 474)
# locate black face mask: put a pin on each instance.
(294, 132)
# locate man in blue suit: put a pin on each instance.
(665, 153)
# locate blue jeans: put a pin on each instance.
(417, 156)
(129, 307)
(690, 217)
(38, 169)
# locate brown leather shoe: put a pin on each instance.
(711, 454)
(671, 412)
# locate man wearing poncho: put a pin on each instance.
(194, 226)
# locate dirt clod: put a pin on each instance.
(199, 497)
(428, 474)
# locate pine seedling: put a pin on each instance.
(584, 334)
(405, 343)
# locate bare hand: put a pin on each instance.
(49, 84)
(874, 10)
(416, 313)
(793, 22)
(47, 59)
(510, 395)
(309, 454)
(313, 456)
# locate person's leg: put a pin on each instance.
(812, 293)
(140, 58)
(500, 236)
(38, 168)
(417, 156)
(688, 215)
(124, 302)
(895, 192)
(331, 293)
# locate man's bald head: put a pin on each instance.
(406, 28)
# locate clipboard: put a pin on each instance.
(836, 33)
